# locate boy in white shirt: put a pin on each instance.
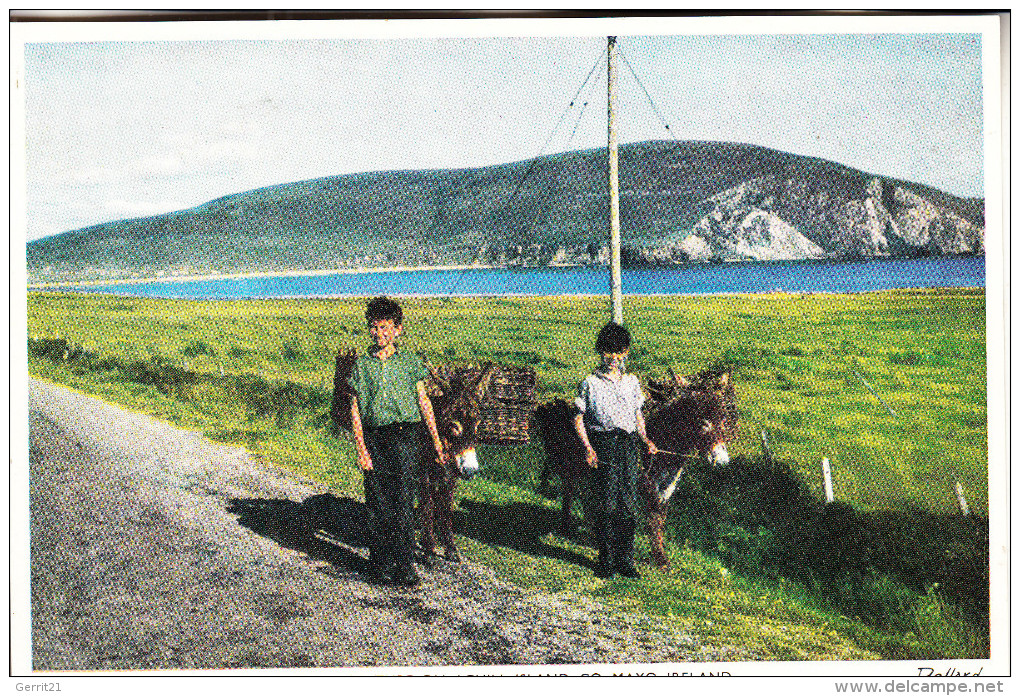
(610, 426)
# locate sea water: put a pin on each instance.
(686, 279)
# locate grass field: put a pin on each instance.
(889, 571)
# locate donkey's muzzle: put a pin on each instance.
(719, 455)
(467, 464)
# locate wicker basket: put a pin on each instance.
(508, 404)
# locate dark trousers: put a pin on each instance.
(389, 494)
(614, 494)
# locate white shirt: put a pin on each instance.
(607, 403)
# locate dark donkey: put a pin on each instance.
(697, 414)
(456, 394)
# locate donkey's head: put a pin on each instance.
(457, 403)
(698, 413)
(340, 407)
(716, 408)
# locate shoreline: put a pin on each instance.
(525, 296)
(275, 274)
(42, 286)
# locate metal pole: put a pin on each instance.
(614, 189)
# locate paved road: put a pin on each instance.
(155, 548)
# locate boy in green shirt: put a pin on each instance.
(386, 417)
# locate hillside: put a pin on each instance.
(680, 202)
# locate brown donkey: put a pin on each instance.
(697, 414)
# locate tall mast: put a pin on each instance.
(614, 189)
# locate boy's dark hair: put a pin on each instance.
(613, 338)
(382, 308)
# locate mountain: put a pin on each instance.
(680, 202)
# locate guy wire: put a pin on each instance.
(533, 163)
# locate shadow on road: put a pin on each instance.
(309, 526)
(315, 524)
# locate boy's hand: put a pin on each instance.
(652, 449)
(591, 459)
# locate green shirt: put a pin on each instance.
(387, 389)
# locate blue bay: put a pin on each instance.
(690, 279)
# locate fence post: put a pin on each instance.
(765, 444)
(964, 510)
(827, 480)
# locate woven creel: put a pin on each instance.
(507, 405)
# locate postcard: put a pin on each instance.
(453, 344)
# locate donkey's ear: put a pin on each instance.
(440, 383)
(345, 359)
(484, 377)
(680, 381)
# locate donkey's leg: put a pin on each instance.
(655, 508)
(543, 478)
(444, 513)
(428, 514)
(656, 525)
(567, 525)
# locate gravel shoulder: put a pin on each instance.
(155, 548)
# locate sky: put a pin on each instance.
(117, 128)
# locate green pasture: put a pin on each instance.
(795, 358)
(742, 573)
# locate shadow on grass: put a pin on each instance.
(522, 527)
(759, 518)
(309, 526)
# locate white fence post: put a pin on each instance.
(827, 480)
(765, 444)
(964, 510)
